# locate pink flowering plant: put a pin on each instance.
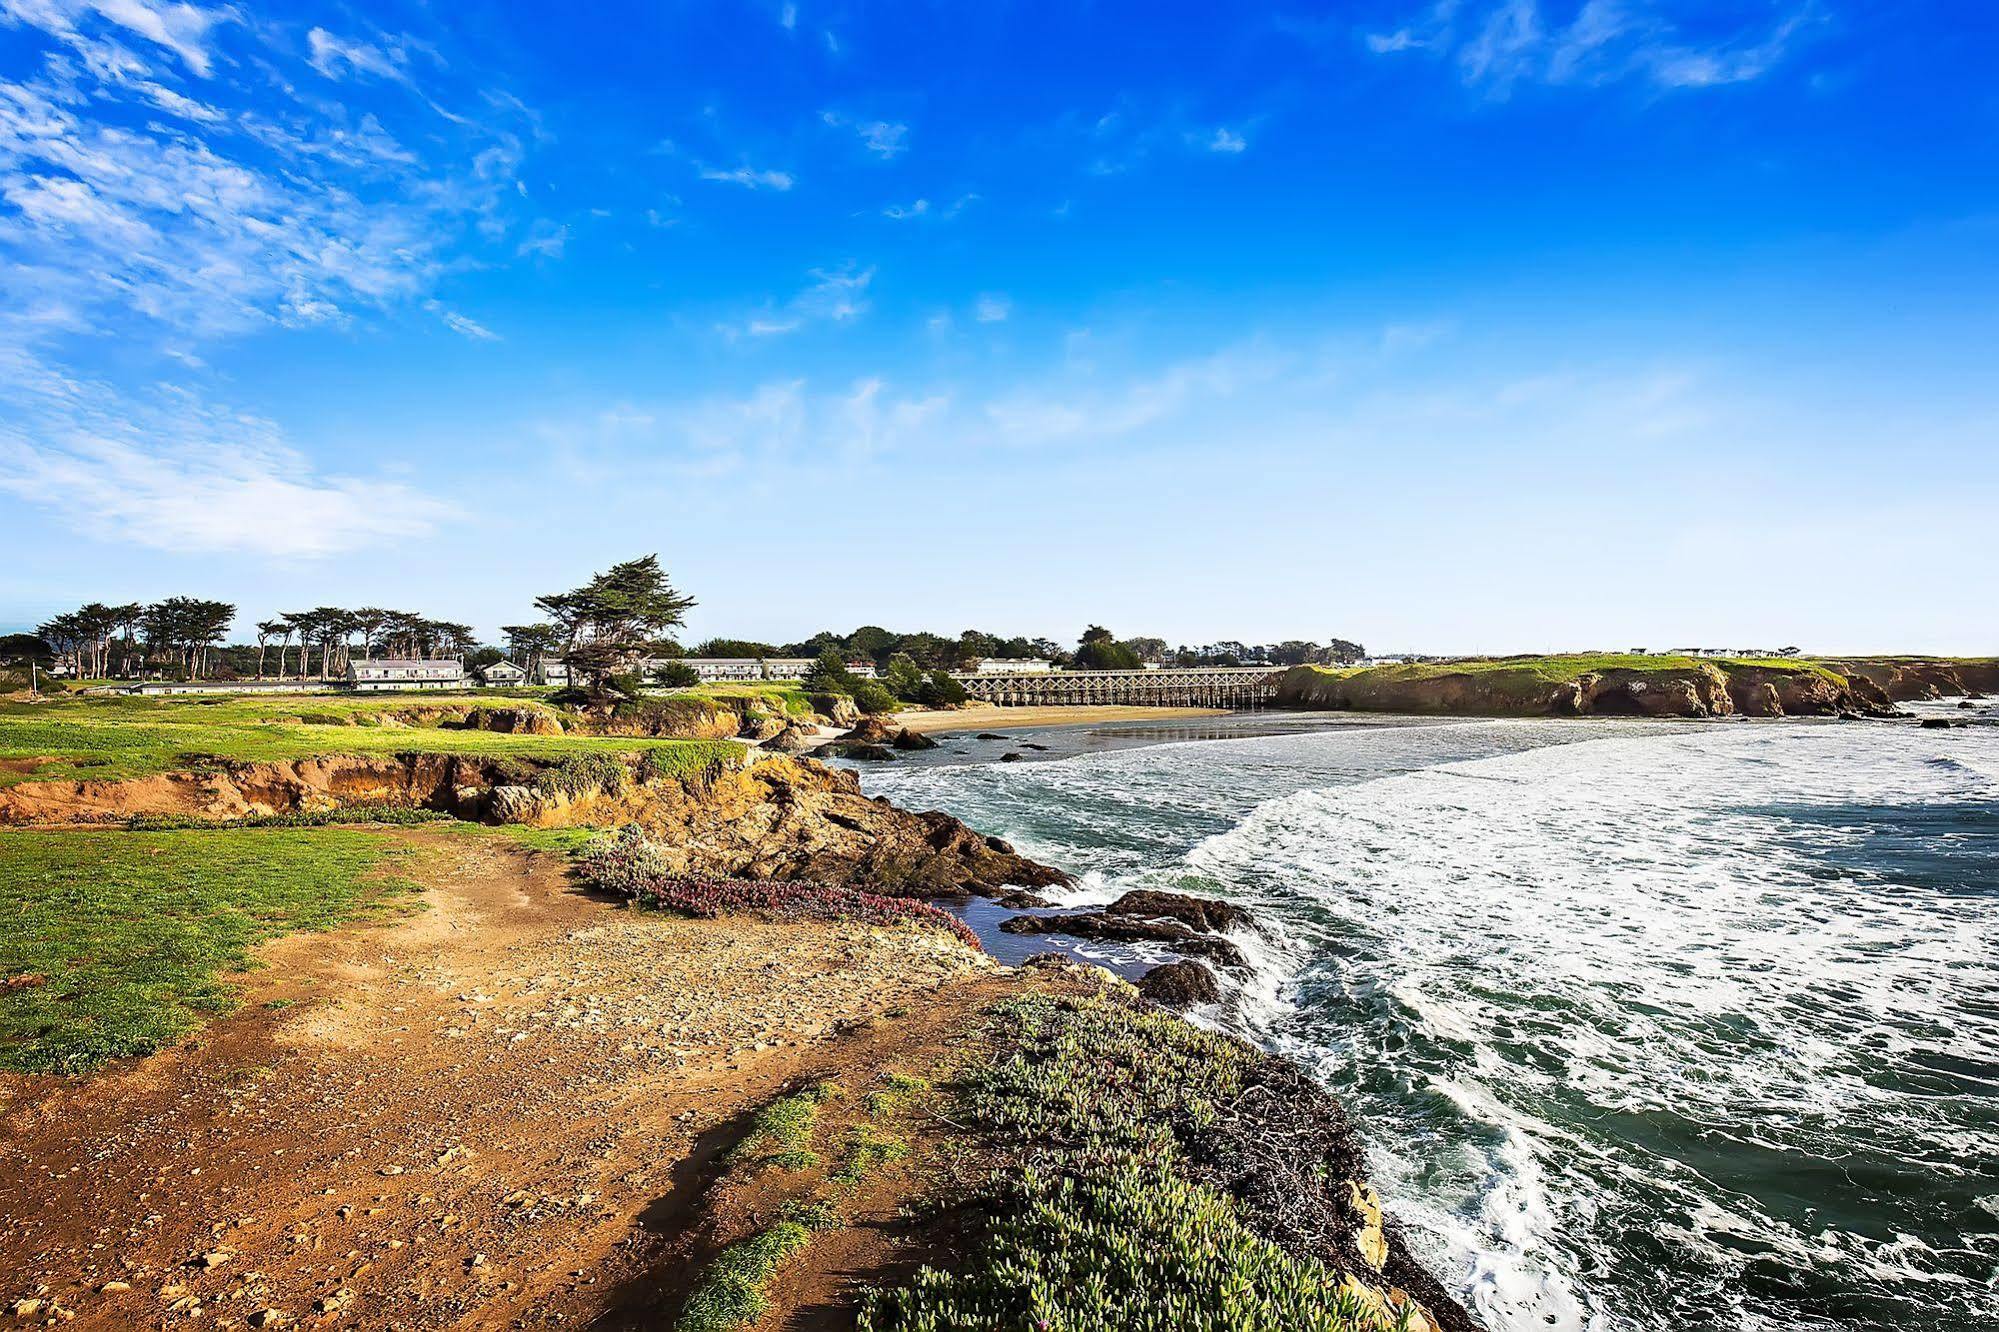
(631, 865)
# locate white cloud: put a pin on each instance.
(923, 208)
(1225, 140)
(545, 239)
(836, 295)
(336, 58)
(748, 177)
(253, 213)
(787, 17)
(883, 138)
(992, 308)
(175, 473)
(464, 326)
(181, 28)
(1497, 45)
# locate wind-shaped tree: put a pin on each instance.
(608, 623)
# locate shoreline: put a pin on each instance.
(989, 717)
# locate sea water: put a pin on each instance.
(1646, 1025)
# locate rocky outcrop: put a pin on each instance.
(1210, 915)
(1180, 985)
(786, 818)
(780, 818)
(874, 739)
(1906, 679)
(1184, 924)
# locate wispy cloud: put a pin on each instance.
(167, 182)
(182, 28)
(460, 324)
(1223, 140)
(883, 138)
(992, 308)
(335, 58)
(545, 240)
(1497, 45)
(243, 214)
(176, 473)
(748, 177)
(836, 295)
(922, 208)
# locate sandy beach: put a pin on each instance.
(987, 717)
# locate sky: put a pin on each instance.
(1441, 325)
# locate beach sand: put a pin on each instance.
(986, 717)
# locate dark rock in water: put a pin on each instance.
(872, 731)
(908, 739)
(1020, 900)
(1967, 704)
(1206, 914)
(991, 735)
(1131, 929)
(1180, 985)
(1940, 723)
(864, 750)
(1012, 757)
(1029, 744)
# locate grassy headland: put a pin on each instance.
(1633, 684)
(110, 738)
(117, 942)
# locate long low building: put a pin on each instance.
(739, 668)
(380, 674)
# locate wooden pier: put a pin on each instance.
(1168, 687)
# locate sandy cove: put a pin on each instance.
(988, 717)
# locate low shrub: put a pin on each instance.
(873, 698)
(731, 1295)
(392, 815)
(1128, 1245)
(583, 774)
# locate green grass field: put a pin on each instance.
(132, 934)
(71, 738)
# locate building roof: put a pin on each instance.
(409, 663)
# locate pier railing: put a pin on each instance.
(1168, 687)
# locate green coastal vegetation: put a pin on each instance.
(120, 942)
(1086, 1163)
(81, 738)
(1095, 1212)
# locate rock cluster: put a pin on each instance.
(1189, 925)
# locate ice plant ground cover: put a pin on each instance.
(629, 864)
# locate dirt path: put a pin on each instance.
(491, 1114)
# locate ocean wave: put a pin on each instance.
(1609, 1001)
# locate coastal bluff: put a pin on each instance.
(1635, 685)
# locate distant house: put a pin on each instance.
(501, 672)
(1015, 666)
(554, 673)
(386, 673)
(861, 670)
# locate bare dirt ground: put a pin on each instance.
(500, 1112)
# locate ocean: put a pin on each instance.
(1647, 1025)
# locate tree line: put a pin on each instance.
(184, 637)
(1097, 649)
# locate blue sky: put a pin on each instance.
(1447, 325)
